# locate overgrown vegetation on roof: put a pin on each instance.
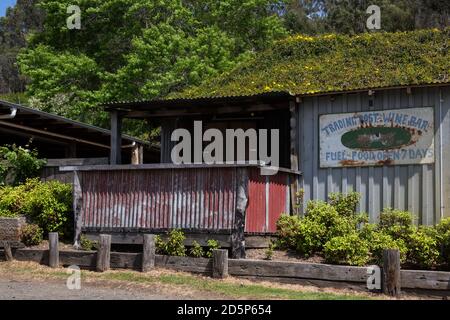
(308, 65)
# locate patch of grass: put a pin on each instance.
(233, 290)
(253, 290)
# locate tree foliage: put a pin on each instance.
(19, 21)
(131, 49)
(314, 17)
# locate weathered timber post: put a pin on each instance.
(391, 272)
(293, 109)
(148, 253)
(237, 236)
(137, 154)
(8, 252)
(77, 205)
(116, 138)
(53, 246)
(220, 264)
(104, 253)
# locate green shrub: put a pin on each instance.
(349, 249)
(7, 214)
(196, 250)
(378, 241)
(212, 245)
(87, 244)
(423, 247)
(310, 237)
(397, 223)
(345, 204)
(11, 200)
(49, 205)
(321, 223)
(18, 164)
(443, 237)
(287, 230)
(342, 236)
(31, 235)
(269, 251)
(175, 244)
(327, 217)
(160, 245)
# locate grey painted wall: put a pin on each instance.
(421, 189)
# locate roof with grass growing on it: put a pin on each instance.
(309, 65)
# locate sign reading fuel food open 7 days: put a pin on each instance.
(386, 137)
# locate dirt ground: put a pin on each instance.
(282, 255)
(44, 246)
(14, 289)
(17, 284)
(28, 280)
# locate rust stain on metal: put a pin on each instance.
(194, 199)
(258, 220)
(387, 162)
(184, 198)
(351, 163)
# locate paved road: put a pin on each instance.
(57, 290)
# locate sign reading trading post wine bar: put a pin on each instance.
(375, 138)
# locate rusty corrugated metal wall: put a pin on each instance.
(202, 199)
(269, 197)
(197, 199)
(422, 189)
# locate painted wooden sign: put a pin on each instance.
(376, 138)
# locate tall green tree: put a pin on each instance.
(349, 16)
(131, 49)
(19, 21)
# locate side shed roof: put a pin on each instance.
(50, 125)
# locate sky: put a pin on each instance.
(5, 4)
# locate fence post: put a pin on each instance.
(53, 242)
(220, 264)
(391, 272)
(238, 235)
(104, 253)
(7, 249)
(148, 253)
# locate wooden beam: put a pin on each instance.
(7, 249)
(148, 253)
(104, 253)
(116, 138)
(161, 166)
(77, 206)
(293, 108)
(248, 267)
(53, 246)
(220, 264)
(199, 111)
(391, 272)
(137, 154)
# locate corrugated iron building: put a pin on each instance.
(350, 119)
(423, 189)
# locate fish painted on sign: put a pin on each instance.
(379, 138)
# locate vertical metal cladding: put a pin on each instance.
(268, 199)
(422, 189)
(195, 199)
